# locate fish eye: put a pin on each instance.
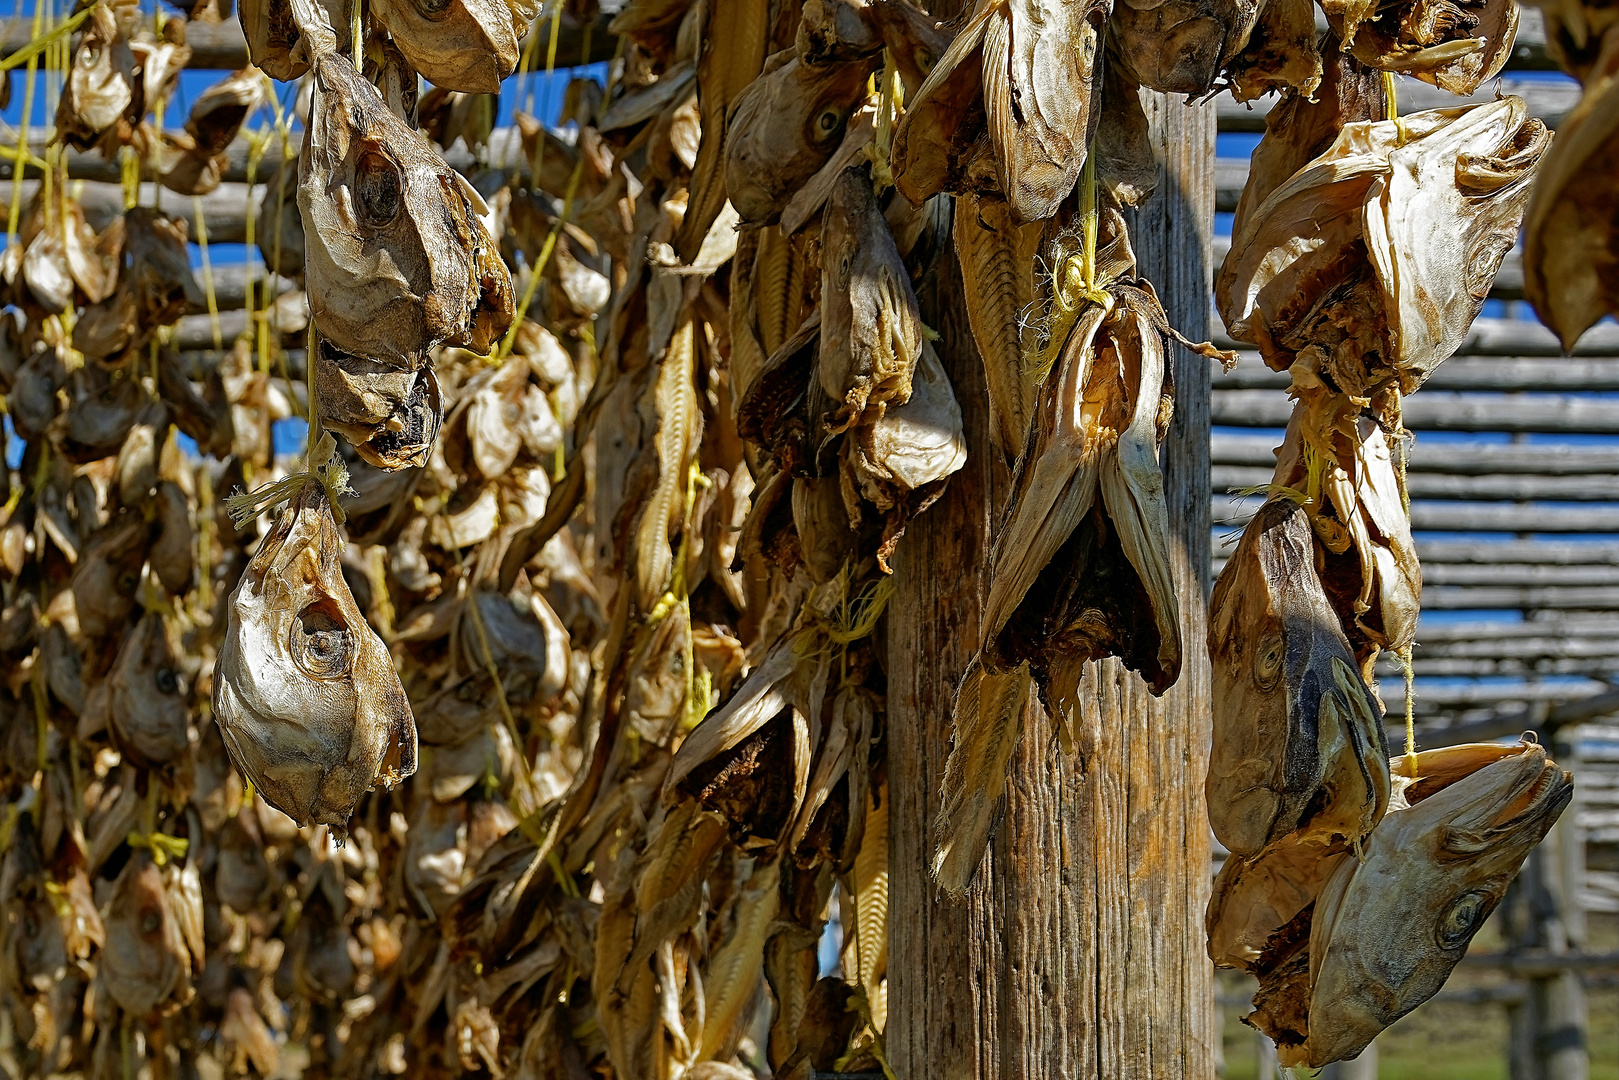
(127, 583)
(167, 681)
(322, 644)
(1461, 920)
(828, 123)
(89, 56)
(925, 60)
(377, 190)
(151, 922)
(1268, 661)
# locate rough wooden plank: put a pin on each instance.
(1504, 337)
(1503, 667)
(1499, 374)
(1540, 552)
(1522, 487)
(1519, 576)
(1480, 634)
(1079, 950)
(1229, 449)
(1465, 517)
(1561, 414)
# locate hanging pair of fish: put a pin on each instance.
(1346, 939)
(1080, 568)
(1571, 245)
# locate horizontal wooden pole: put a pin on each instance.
(221, 46)
(1516, 576)
(92, 165)
(1592, 667)
(1539, 552)
(1532, 965)
(225, 209)
(1439, 459)
(1540, 717)
(1546, 413)
(1486, 634)
(1500, 337)
(1498, 374)
(1469, 517)
(1508, 486)
(1476, 695)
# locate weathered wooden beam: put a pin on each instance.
(221, 46)
(1483, 632)
(1497, 374)
(1460, 459)
(225, 210)
(92, 165)
(1504, 337)
(1467, 696)
(1515, 487)
(1579, 710)
(1540, 552)
(1465, 517)
(1561, 414)
(1501, 667)
(1516, 576)
(1078, 951)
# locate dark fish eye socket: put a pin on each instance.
(378, 194)
(1268, 661)
(167, 681)
(151, 922)
(828, 123)
(322, 644)
(1461, 919)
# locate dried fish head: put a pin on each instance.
(241, 872)
(467, 45)
(1281, 54)
(156, 267)
(871, 328)
(1180, 46)
(782, 128)
(1454, 44)
(915, 39)
(1390, 927)
(396, 257)
(219, 111)
(107, 573)
(319, 947)
(150, 698)
(1571, 247)
(305, 693)
(272, 36)
(172, 556)
(1262, 904)
(1577, 32)
(1299, 747)
(391, 416)
(835, 31)
(912, 445)
(100, 86)
(105, 406)
(145, 962)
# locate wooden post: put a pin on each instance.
(1549, 1040)
(1079, 951)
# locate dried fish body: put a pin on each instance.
(1454, 44)
(145, 962)
(782, 128)
(101, 85)
(1389, 927)
(396, 256)
(391, 416)
(997, 260)
(1262, 904)
(466, 45)
(1298, 738)
(871, 328)
(305, 693)
(1286, 294)
(675, 441)
(1571, 247)
(150, 699)
(1179, 46)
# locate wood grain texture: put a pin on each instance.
(1079, 951)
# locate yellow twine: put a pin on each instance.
(15, 214)
(162, 846)
(540, 262)
(325, 467)
(1074, 281)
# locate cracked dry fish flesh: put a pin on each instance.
(390, 416)
(396, 256)
(1021, 77)
(466, 45)
(783, 127)
(1454, 44)
(1179, 46)
(1080, 567)
(1281, 54)
(871, 328)
(1299, 748)
(1571, 242)
(913, 444)
(997, 260)
(305, 693)
(1388, 928)
(1333, 260)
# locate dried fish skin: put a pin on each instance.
(390, 416)
(107, 574)
(912, 445)
(145, 962)
(150, 699)
(100, 89)
(1576, 34)
(1454, 44)
(465, 45)
(782, 128)
(1389, 927)
(1299, 747)
(305, 693)
(1571, 247)
(1179, 47)
(396, 256)
(1261, 905)
(915, 39)
(871, 327)
(943, 125)
(219, 111)
(1281, 54)
(836, 31)
(273, 38)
